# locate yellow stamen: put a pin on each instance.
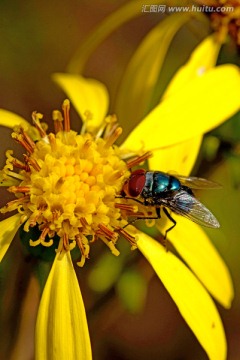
(127, 236)
(87, 117)
(65, 242)
(132, 209)
(58, 120)
(32, 162)
(52, 141)
(19, 189)
(66, 109)
(36, 120)
(109, 234)
(28, 139)
(43, 236)
(83, 222)
(111, 246)
(34, 242)
(82, 243)
(22, 141)
(13, 174)
(13, 205)
(116, 175)
(113, 137)
(138, 160)
(108, 127)
(20, 165)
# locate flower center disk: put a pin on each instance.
(68, 184)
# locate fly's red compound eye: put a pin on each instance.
(136, 182)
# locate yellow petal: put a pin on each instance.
(9, 119)
(195, 248)
(142, 73)
(61, 329)
(86, 95)
(191, 298)
(8, 229)
(202, 104)
(203, 58)
(179, 158)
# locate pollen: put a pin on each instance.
(68, 184)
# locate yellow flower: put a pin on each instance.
(69, 187)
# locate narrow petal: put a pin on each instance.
(9, 119)
(61, 329)
(112, 22)
(179, 158)
(203, 58)
(201, 105)
(191, 298)
(8, 229)
(142, 74)
(196, 249)
(86, 95)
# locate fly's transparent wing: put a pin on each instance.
(197, 183)
(188, 206)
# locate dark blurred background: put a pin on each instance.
(38, 38)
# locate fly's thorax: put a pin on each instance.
(157, 184)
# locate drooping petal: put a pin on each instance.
(140, 78)
(8, 229)
(201, 105)
(9, 119)
(179, 158)
(191, 298)
(61, 329)
(112, 22)
(195, 248)
(86, 95)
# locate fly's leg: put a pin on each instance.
(158, 216)
(129, 198)
(172, 220)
